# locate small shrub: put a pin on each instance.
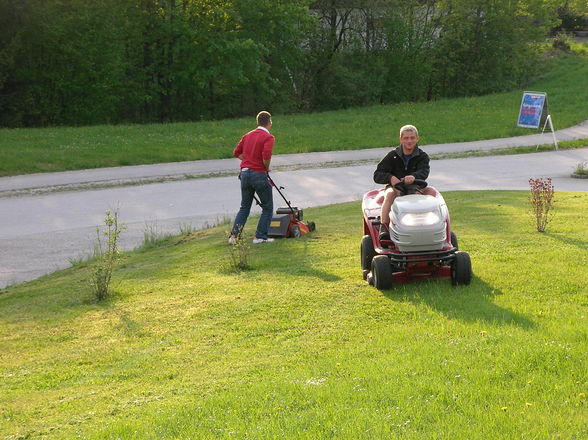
(107, 252)
(581, 169)
(153, 236)
(187, 229)
(562, 42)
(542, 200)
(239, 254)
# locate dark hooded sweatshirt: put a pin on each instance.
(393, 165)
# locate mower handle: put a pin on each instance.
(278, 188)
(272, 182)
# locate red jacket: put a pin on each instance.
(255, 146)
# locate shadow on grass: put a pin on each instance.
(471, 303)
(298, 269)
(300, 265)
(59, 295)
(568, 241)
(307, 271)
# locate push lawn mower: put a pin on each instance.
(418, 243)
(287, 222)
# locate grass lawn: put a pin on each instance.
(299, 347)
(25, 151)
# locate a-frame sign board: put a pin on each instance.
(534, 111)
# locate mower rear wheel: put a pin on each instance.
(311, 226)
(382, 272)
(367, 253)
(461, 269)
(295, 231)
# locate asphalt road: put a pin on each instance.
(43, 233)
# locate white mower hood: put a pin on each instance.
(418, 222)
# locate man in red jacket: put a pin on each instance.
(255, 151)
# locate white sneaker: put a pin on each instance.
(262, 240)
(233, 239)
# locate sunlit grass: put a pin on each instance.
(300, 347)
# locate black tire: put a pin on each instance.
(367, 253)
(461, 269)
(382, 272)
(453, 238)
(295, 231)
(311, 226)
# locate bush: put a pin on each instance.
(562, 42)
(542, 201)
(581, 169)
(107, 254)
(239, 254)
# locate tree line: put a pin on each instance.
(76, 62)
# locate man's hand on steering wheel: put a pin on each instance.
(394, 180)
(408, 179)
(410, 188)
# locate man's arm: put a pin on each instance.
(268, 147)
(384, 170)
(422, 168)
(238, 151)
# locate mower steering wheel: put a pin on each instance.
(411, 188)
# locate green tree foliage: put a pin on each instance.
(427, 49)
(486, 46)
(61, 61)
(412, 29)
(344, 65)
(109, 61)
(573, 15)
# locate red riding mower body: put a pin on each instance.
(418, 244)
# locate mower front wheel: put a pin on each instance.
(367, 254)
(382, 272)
(295, 231)
(311, 226)
(454, 240)
(461, 269)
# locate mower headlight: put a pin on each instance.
(420, 219)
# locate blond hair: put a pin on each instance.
(408, 128)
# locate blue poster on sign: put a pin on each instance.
(532, 106)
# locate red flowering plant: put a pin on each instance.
(542, 201)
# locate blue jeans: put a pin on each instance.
(253, 182)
